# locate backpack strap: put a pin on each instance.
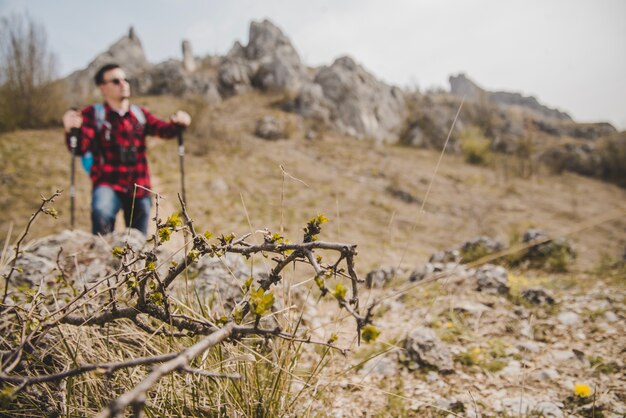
(100, 113)
(138, 113)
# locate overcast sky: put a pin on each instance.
(570, 54)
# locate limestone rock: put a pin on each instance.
(127, 52)
(538, 296)
(269, 127)
(171, 78)
(360, 105)
(460, 85)
(269, 61)
(423, 349)
(492, 279)
(380, 277)
(189, 62)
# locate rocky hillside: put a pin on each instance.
(500, 287)
(347, 98)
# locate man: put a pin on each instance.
(115, 133)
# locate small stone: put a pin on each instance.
(538, 296)
(568, 318)
(561, 355)
(529, 346)
(610, 316)
(514, 368)
(547, 374)
(492, 279)
(548, 410)
(432, 377)
(381, 366)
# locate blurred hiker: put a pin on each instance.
(111, 138)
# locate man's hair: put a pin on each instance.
(99, 77)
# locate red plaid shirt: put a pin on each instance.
(125, 132)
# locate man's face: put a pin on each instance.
(115, 86)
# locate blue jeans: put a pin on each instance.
(106, 202)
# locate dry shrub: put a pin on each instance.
(476, 148)
(29, 98)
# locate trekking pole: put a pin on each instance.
(73, 146)
(181, 158)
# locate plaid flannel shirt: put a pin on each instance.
(121, 132)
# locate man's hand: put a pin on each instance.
(72, 119)
(181, 118)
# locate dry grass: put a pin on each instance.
(345, 179)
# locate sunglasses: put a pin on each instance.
(117, 81)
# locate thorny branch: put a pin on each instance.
(138, 292)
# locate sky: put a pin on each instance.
(570, 54)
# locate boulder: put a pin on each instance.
(423, 349)
(492, 279)
(359, 105)
(269, 62)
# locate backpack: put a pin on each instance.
(100, 113)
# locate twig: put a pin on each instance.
(16, 256)
(136, 397)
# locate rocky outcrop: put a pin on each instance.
(460, 85)
(189, 62)
(85, 258)
(171, 77)
(127, 52)
(358, 104)
(269, 62)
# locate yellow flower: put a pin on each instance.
(582, 390)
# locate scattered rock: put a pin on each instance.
(478, 248)
(423, 349)
(402, 195)
(530, 346)
(219, 278)
(384, 365)
(553, 255)
(610, 316)
(219, 185)
(514, 368)
(568, 318)
(380, 277)
(492, 279)
(269, 127)
(538, 296)
(561, 355)
(547, 374)
(470, 307)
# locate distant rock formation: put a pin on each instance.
(269, 62)
(355, 102)
(189, 62)
(127, 52)
(460, 85)
(174, 77)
